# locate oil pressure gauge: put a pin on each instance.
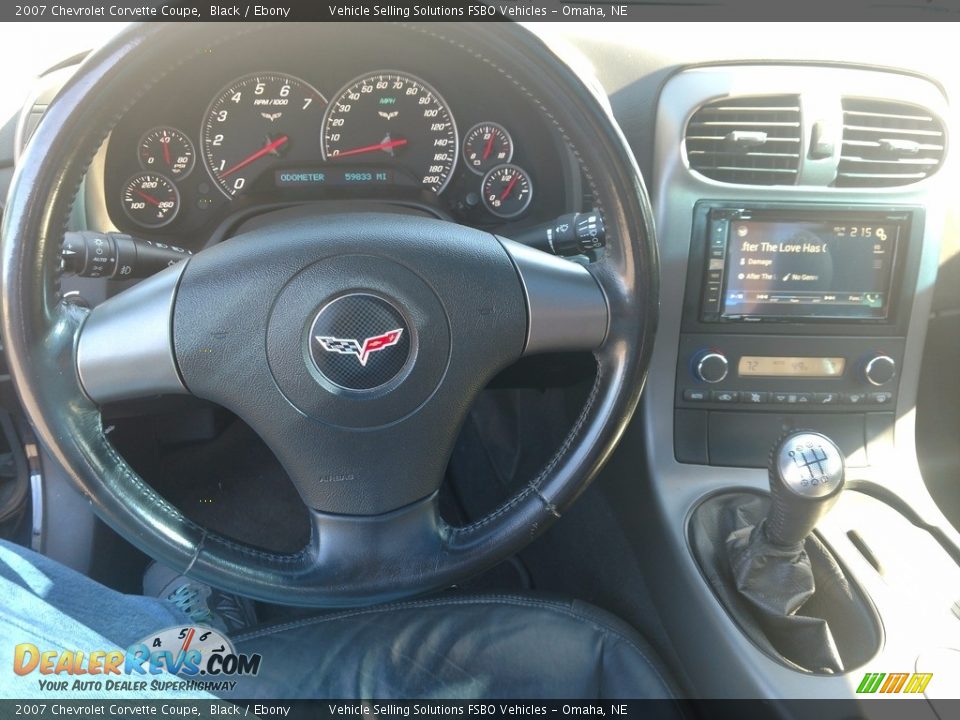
(507, 190)
(168, 150)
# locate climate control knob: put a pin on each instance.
(711, 367)
(880, 370)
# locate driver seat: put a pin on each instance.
(451, 646)
(458, 647)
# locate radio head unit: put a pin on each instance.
(800, 264)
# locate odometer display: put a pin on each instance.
(393, 119)
(257, 123)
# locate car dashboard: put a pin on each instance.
(386, 114)
(802, 195)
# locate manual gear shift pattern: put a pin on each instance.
(806, 478)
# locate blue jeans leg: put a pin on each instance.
(56, 608)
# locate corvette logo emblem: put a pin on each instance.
(349, 346)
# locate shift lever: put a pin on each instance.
(806, 478)
(779, 581)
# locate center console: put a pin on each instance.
(799, 250)
(795, 315)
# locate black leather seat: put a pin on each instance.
(458, 647)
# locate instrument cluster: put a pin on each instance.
(206, 144)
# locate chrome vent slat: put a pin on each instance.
(901, 176)
(720, 138)
(747, 154)
(749, 108)
(891, 116)
(887, 143)
(744, 123)
(750, 140)
(874, 144)
(734, 168)
(929, 162)
(893, 131)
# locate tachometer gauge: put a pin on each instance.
(485, 146)
(168, 150)
(258, 122)
(507, 190)
(395, 120)
(150, 199)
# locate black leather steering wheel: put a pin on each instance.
(262, 323)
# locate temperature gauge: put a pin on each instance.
(166, 149)
(507, 190)
(150, 199)
(485, 146)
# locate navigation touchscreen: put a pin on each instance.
(808, 269)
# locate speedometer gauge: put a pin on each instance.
(258, 122)
(393, 119)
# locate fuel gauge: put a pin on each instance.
(167, 150)
(507, 190)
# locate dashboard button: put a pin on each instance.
(786, 398)
(725, 396)
(855, 398)
(881, 398)
(826, 398)
(696, 395)
(804, 398)
(754, 398)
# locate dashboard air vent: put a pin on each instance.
(887, 143)
(747, 140)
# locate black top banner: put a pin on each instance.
(493, 11)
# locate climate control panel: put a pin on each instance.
(779, 373)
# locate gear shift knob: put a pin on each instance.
(806, 477)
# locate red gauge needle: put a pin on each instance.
(166, 150)
(149, 198)
(265, 150)
(509, 188)
(488, 147)
(386, 145)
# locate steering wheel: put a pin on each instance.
(353, 344)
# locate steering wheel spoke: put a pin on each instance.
(125, 348)
(352, 551)
(566, 308)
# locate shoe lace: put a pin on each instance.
(187, 599)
